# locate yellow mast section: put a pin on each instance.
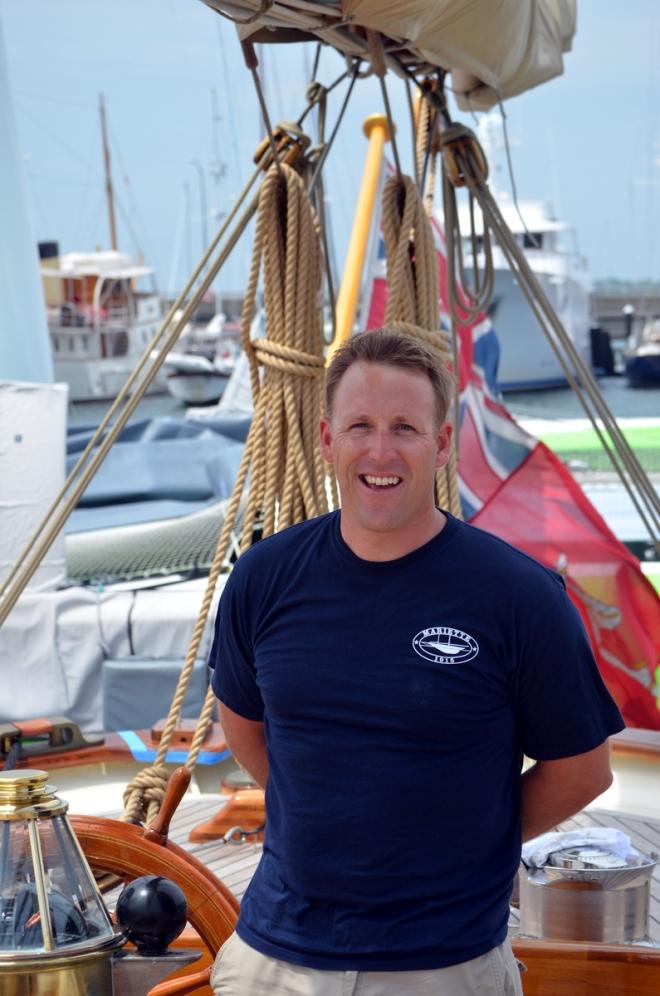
(377, 131)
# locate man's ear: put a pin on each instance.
(325, 436)
(444, 444)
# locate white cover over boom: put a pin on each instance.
(492, 48)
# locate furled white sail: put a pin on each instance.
(492, 49)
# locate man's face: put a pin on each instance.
(385, 445)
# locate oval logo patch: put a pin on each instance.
(445, 645)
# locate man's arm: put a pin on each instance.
(246, 741)
(551, 791)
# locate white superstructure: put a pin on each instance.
(527, 360)
(103, 311)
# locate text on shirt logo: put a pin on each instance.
(445, 645)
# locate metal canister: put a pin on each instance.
(587, 894)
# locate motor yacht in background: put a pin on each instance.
(641, 355)
(527, 361)
(102, 311)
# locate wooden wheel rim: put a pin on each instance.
(121, 848)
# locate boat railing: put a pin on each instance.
(115, 316)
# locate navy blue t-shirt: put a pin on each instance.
(398, 699)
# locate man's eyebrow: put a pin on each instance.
(363, 417)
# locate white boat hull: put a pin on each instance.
(196, 388)
(527, 360)
(101, 379)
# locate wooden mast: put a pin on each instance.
(108, 175)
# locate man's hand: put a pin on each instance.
(246, 741)
(551, 791)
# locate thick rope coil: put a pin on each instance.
(152, 783)
(412, 303)
(281, 459)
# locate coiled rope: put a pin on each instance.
(287, 477)
(412, 303)
(467, 299)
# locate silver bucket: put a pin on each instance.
(569, 900)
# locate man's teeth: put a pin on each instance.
(381, 482)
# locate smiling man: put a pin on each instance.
(386, 435)
(382, 670)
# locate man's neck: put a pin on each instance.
(382, 546)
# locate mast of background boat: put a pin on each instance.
(109, 191)
(32, 408)
(377, 131)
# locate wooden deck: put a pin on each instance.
(234, 864)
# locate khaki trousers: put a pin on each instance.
(239, 970)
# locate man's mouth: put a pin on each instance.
(377, 482)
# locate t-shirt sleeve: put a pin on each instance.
(234, 679)
(563, 705)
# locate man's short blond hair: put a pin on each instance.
(393, 349)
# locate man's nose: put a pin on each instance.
(381, 447)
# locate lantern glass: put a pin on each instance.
(83, 915)
(49, 900)
(16, 881)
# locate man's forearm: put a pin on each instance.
(551, 791)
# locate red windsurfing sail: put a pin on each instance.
(514, 486)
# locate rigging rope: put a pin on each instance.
(427, 150)
(287, 477)
(467, 300)
(464, 165)
(413, 303)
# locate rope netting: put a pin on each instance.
(148, 549)
(281, 469)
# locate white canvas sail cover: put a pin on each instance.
(32, 461)
(492, 49)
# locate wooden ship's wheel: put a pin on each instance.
(126, 852)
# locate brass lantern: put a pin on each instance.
(56, 937)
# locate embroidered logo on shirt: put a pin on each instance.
(445, 645)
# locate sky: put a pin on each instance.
(184, 122)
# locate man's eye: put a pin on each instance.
(405, 427)
(358, 425)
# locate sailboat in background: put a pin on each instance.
(100, 319)
(102, 309)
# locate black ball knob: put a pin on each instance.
(152, 911)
